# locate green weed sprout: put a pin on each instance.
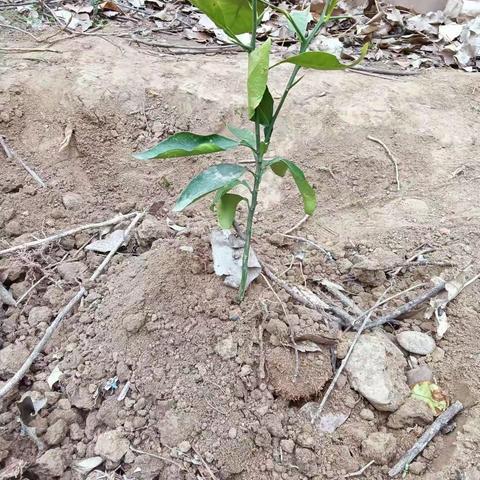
(238, 17)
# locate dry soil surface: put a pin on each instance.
(160, 319)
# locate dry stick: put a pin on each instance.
(67, 233)
(195, 48)
(204, 463)
(298, 225)
(408, 307)
(371, 74)
(390, 155)
(344, 299)
(4, 25)
(441, 421)
(61, 315)
(359, 472)
(385, 71)
(316, 245)
(11, 156)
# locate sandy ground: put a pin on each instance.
(161, 319)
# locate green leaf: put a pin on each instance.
(265, 109)
(246, 137)
(223, 190)
(233, 16)
(208, 181)
(432, 395)
(301, 19)
(330, 9)
(258, 62)
(187, 144)
(322, 60)
(226, 209)
(280, 166)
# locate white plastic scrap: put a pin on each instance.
(227, 250)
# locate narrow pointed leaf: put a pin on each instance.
(208, 181)
(247, 137)
(226, 209)
(322, 60)
(265, 109)
(186, 144)
(223, 190)
(280, 166)
(258, 63)
(233, 16)
(301, 19)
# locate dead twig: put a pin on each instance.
(12, 156)
(11, 27)
(385, 71)
(67, 233)
(62, 314)
(27, 50)
(205, 465)
(441, 421)
(158, 457)
(344, 362)
(310, 242)
(390, 156)
(297, 225)
(344, 299)
(408, 307)
(360, 472)
(190, 48)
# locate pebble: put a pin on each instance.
(422, 373)
(72, 201)
(39, 314)
(416, 342)
(184, 446)
(134, 322)
(226, 348)
(232, 433)
(51, 464)
(111, 445)
(412, 412)
(380, 447)
(287, 445)
(367, 414)
(56, 433)
(12, 358)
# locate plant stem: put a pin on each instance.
(258, 155)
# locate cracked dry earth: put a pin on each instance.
(160, 319)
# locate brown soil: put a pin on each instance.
(160, 318)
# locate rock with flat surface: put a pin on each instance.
(376, 370)
(412, 412)
(56, 433)
(51, 464)
(39, 314)
(12, 358)
(416, 342)
(112, 445)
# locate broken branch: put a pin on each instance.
(390, 156)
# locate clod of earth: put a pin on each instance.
(314, 370)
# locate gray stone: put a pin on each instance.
(274, 425)
(422, 373)
(111, 445)
(56, 433)
(12, 358)
(226, 348)
(412, 412)
(72, 201)
(184, 446)
(287, 445)
(71, 271)
(416, 342)
(367, 414)
(376, 370)
(306, 461)
(278, 328)
(39, 314)
(51, 464)
(175, 428)
(380, 447)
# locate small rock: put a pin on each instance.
(80, 397)
(438, 355)
(51, 463)
(71, 271)
(150, 230)
(278, 328)
(12, 358)
(56, 433)
(76, 432)
(306, 461)
(274, 425)
(376, 371)
(184, 446)
(380, 447)
(148, 468)
(417, 468)
(368, 272)
(226, 348)
(72, 201)
(416, 342)
(287, 445)
(232, 433)
(13, 228)
(278, 239)
(344, 265)
(422, 373)
(175, 428)
(367, 414)
(134, 322)
(412, 412)
(111, 445)
(39, 314)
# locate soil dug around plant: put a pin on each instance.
(160, 319)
